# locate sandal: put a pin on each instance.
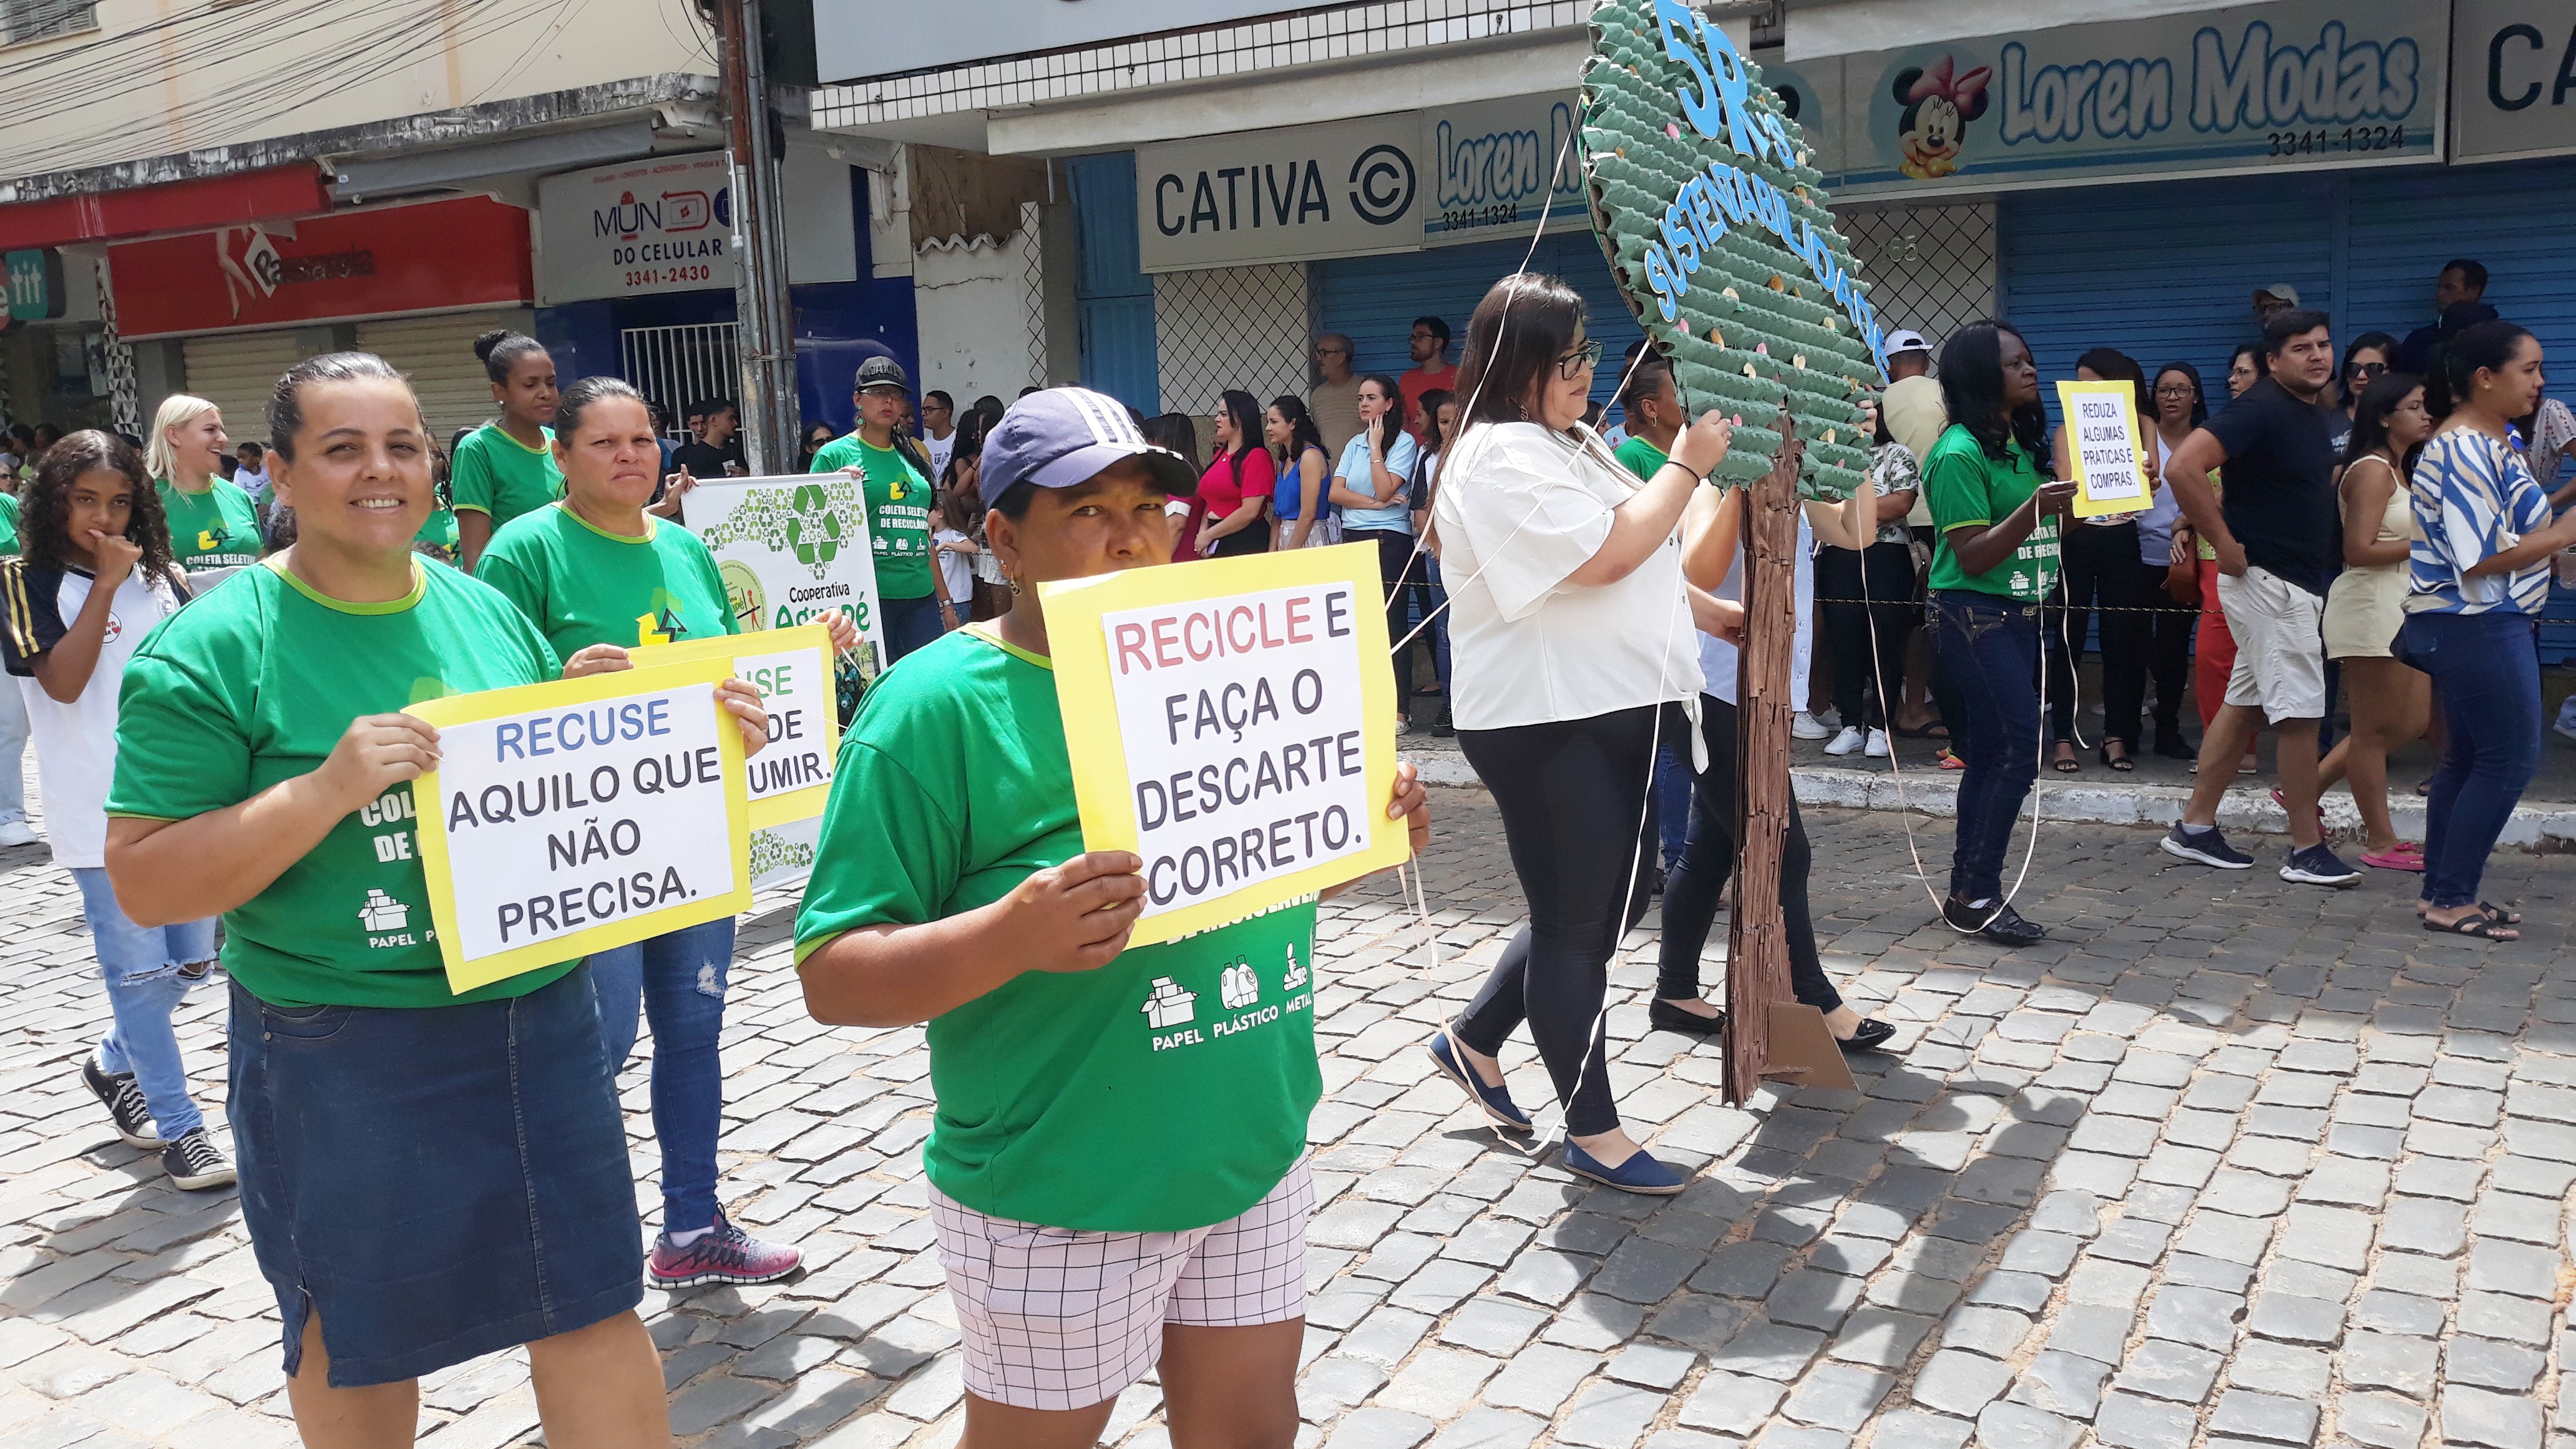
(2396, 857)
(2120, 761)
(1949, 761)
(2482, 926)
(2066, 764)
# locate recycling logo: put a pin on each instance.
(814, 531)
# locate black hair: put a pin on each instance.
(1390, 424)
(2458, 360)
(2199, 390)
(2247, 349)
(1642, 380)
(989, 405)
(500, 350)
(286, 401)
(945, 400)
(2282, 326)
(1246, 412)
(249, 445)
(1436, 327)
(2366, 342)
(1432, 402)
(1505, 365)
(2370, 418)
(1972, 391)
(1879, 436)
(2112, 365)
(1302, 432)
(2473, 273)
(46, 529)
(1176, 431)
(585, 394)
(1032, 387)
(22, 433)
(965, 446)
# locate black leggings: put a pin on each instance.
(1691, 891)
(1888, 569)
(1399, 568)
(2101, 572)
(1581, 826)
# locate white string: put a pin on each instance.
(1905, 813)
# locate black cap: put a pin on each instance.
(881, 372)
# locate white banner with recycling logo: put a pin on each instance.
(792, 549)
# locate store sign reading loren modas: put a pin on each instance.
(1232, 723)
(579, 816)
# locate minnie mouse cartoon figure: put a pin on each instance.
(1938, 108)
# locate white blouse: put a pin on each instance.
(1717, 658)
(1520, 507)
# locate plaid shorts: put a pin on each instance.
(1055, 1318)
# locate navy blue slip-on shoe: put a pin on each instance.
(1496, 1101)
(1640, 1173)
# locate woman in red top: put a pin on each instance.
(1236, 487)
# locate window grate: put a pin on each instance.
(1230, 327)
(1929, 268)
(679, 367)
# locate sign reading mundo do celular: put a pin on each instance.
(1716, 227)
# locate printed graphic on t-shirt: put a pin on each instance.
(1171, 1009)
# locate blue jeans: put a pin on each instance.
(13, 754)
(909, 624)
(1673, 799)
(140, 965)
(1990, 647)
(1435, 600)
(679, 981)
(2486, 681)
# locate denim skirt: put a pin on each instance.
(439, 1183)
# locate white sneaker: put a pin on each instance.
(1807, 727)
(1877, 745)
(1846, 742)
(18, 832)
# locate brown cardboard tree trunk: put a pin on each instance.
(1768, 1033)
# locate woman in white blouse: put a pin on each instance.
(1574, 648)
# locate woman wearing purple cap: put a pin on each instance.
(1109, 1197)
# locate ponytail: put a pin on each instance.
(2459, 359)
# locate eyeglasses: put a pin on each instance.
(1332, 352)
(2178, 390)
(1581, 360)
(2369, 369)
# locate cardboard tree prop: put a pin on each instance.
(1716, 228)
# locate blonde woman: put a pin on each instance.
(213, 524)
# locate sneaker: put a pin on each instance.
(1998, 923)
(18, 832)
(726, 1255)
(124, 1102)
(1807, 727)
(1850, 740)
(2317, 865)
(195, 1163)
(2207, 847)
(1876, 749)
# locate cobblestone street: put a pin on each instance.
(2225, 1161)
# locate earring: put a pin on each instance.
(1015, 586)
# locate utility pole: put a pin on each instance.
(767, 324)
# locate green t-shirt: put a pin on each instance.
(583, 585)
(1166, 1091)
(1964, 487)
(500, 477)
(1639, 456)
(439, 531)
(898, 514)
(254, 683)
(216, 529)
(8, 525)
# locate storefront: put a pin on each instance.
(54, 367)
(636, 278)
(414, 284)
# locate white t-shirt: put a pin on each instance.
(956, 570)
(1521, 507)
(1717, 658)
(76, 742)
(939, 449)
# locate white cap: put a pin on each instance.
(2280, 292)
(1902, 340)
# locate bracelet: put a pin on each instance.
(1697, 477)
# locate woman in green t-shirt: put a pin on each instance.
(506, 467)
(1997, 514)
(597, 575)
(213, 524)
(426, 1177)
(1144, 1109)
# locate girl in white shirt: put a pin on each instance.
(1572, 650)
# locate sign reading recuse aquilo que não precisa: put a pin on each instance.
(582, 815)
(1231, 722)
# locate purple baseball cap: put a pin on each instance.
(1067, 435)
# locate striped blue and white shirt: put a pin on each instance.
(2473, 498)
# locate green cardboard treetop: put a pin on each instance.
(1716, 228)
